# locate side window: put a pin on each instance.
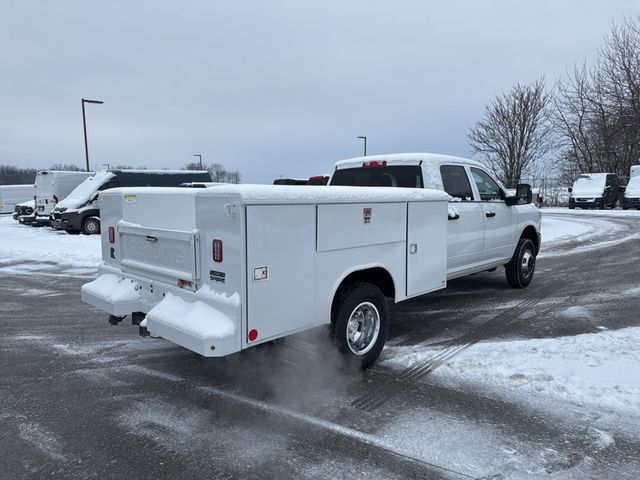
(455, 182)
(108, 185)
(487, 187)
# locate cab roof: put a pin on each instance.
(434, 159)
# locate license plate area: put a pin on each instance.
(168, 255)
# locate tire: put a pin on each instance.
(571, 208)
(625, 208)
(91, 226)
(73, 232)
(522, 265)
(601, 205)
(360, 320)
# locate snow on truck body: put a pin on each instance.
(220, 269)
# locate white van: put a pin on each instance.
(51, 187)
(11, 195)
(635, 171)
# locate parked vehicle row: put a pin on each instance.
(68, 200)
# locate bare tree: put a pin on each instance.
(66, 167)
(217, 171)
(515, 132)
(597, 109)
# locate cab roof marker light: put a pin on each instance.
(375, 163)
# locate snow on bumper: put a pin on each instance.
(205, 321)
(113, 294)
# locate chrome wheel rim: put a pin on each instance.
(363, 328)
(528, 263)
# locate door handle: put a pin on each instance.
(151, 239)
(490, 214)
(454, 217)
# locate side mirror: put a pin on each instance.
(94, 197)
(570, 189)
(523, 195)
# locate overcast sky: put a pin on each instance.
(272, 88)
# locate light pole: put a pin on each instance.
(365, 144)
(200, 157)
(84, 125)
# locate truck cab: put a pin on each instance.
(486, 227)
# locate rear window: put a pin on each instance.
(407, 176)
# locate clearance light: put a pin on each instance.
(253, 335)
(375, 163)
(217, 250)
(112, 235)
(55, 199)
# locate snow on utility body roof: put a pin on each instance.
(277, 194)
(407, 158)
(227, 267)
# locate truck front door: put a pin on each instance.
(500, 220)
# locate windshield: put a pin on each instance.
(83, 193)
(633, 187)
(407, 176)
(590, 184)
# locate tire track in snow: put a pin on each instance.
(485, 329)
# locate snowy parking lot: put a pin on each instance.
(476, 381)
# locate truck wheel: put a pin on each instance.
(360, 322)
(91, 225)
(522, 265)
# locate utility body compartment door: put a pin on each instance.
(281, 242)
(426, 247)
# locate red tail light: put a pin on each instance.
(375, 163)
(217, 250)
(112, 235)
(55, 198)
(35, 199)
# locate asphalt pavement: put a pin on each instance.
(82, 399)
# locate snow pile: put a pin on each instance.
(595, 369)
(209, 293)
(22, 242)
(113, 288)
(81, 195)
(194, 318)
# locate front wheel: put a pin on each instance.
(522, 265)
(91, 226)
(360, 322)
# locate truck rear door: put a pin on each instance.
(426, 247)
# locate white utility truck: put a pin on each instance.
(236, 266)
(12, 195)
(487, 227)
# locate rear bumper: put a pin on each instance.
(190, 319)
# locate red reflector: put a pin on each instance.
(35, 198)
(217, 250)
(253, 334)
(112, 235)
(55, 198)
(375, 163)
